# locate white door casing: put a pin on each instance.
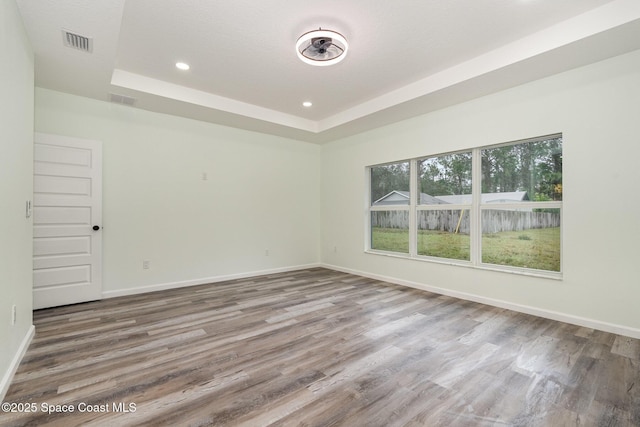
(67, 206)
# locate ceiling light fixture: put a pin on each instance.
(321, 47)
(182, 66)
(307, 104)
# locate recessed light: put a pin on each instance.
(307, 104)
(182, 66)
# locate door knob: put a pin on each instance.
(96, 227)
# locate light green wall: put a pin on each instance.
(261, 194)
(597, 108)
(16, 184)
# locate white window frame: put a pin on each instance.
(408, 208)
(476, 208)
(449, 207)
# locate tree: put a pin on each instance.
(387, 178)
(446, 175)
(534, 167)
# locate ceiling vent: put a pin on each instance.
(77, 41)
(122, 99)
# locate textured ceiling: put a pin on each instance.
(405, 57)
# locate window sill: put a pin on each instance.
(467, 264)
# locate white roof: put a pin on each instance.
(402, 198)
(506, 197)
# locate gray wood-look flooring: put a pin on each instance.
(319, 348)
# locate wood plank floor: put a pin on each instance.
(319, 348)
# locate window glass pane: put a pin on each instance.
(390, 231)
(445, 179)
(444, 233)
(390, 184)
(522, 238)
(529, 171)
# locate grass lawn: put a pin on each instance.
(537, 248)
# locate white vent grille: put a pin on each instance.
(122, 99)
(77, 41)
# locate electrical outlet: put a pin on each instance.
(14, 314)
(146, 264)
(266, 252)
(205, 176)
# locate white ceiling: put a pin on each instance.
(406, 57)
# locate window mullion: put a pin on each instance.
(475, 233)
(414, 194)
(367, 211)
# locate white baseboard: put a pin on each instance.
(202, 281)
(535, 311)
(13, 367)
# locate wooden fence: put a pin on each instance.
(493, 221)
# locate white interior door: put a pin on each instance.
(67, 220)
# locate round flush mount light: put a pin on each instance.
(321, 47)
(182, 66)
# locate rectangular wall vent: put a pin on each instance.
(122, 99)
(77, 41)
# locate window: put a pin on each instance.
(444, 204)
(520, 204)
(390, 198)
(497, 207)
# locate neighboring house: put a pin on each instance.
(402, 198)
(507, 197)
(396, 197)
